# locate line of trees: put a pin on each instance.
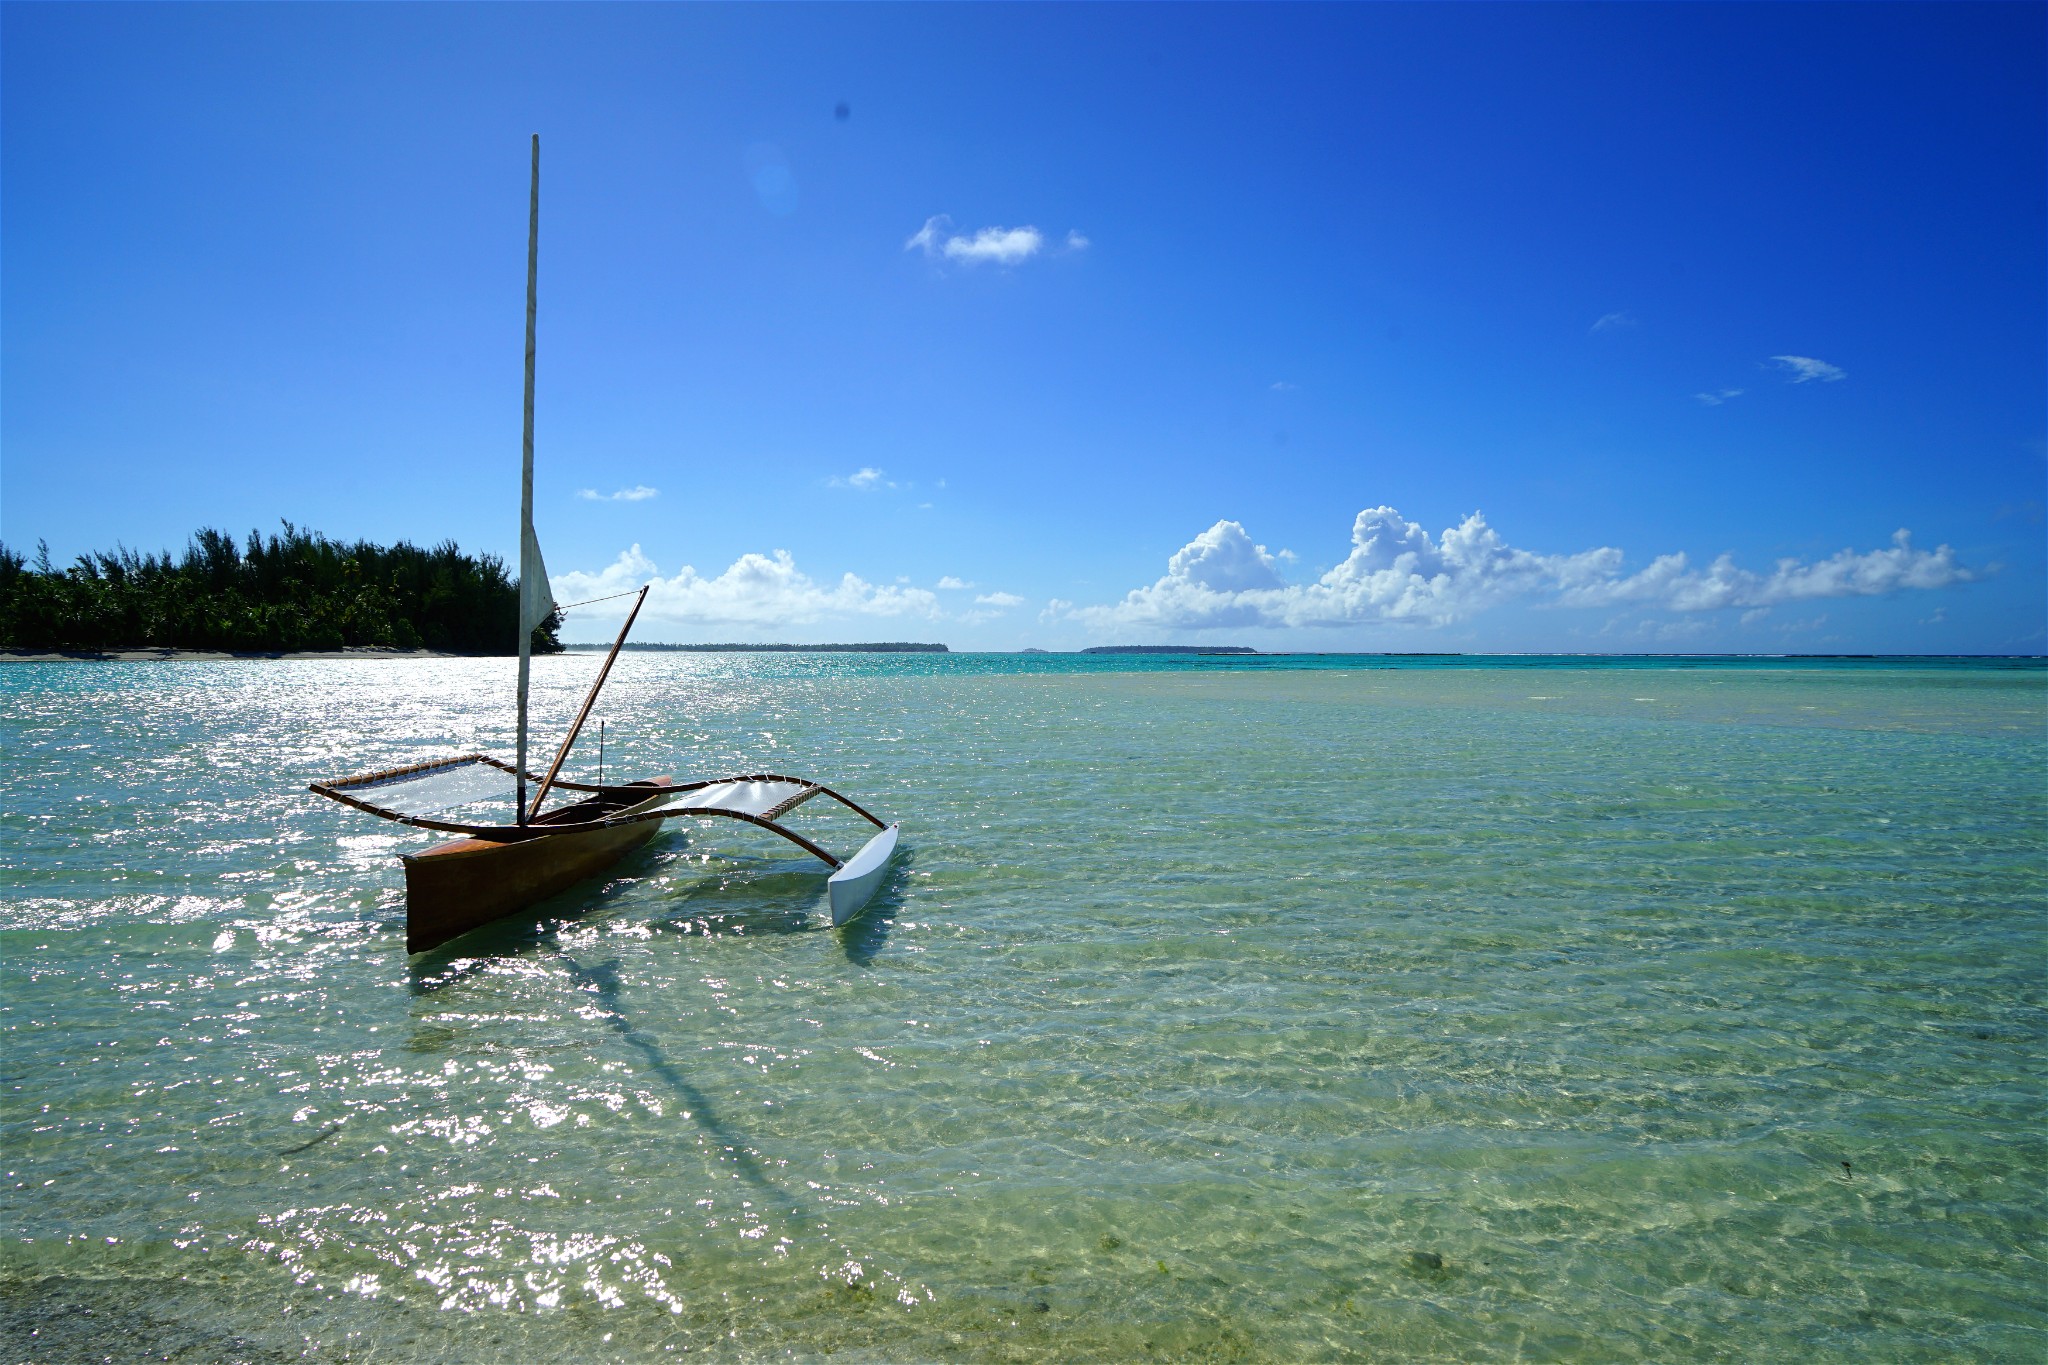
(294, 591)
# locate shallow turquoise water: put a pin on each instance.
(1681, 1012)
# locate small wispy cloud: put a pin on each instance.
(953, 583)
(999, 599)
(1282, 386)
(863, 480)
(2028, 511)
(1001, 245)
(1607, 322)
(1804, 368)
(639, 492)
(1670, 630)
(997, 245)
(1718, 397)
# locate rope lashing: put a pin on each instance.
(591, 601)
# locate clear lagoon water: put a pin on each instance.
(1264, 1009)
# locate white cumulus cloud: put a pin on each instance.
(949, 581)
(637, 493)
(757, 590)
(1804, 368)
(1670, 582)
(1000, 599)
(1003, 246)
(1397, 572)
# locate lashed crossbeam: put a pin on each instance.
(776, 812)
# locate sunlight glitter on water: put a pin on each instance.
(1209, 1014)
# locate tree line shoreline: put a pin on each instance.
(294, 593)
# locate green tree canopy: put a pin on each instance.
(292, 591)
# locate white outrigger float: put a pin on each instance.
(495, 870)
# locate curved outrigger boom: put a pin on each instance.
(758, 798)
(418, 795)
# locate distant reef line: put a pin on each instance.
(870, 647)
(298, 592)
(1169, 649)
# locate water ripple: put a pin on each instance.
(1245, 1013)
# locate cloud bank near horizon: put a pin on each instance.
(1397, 573)
(767, 591)
(757, 590)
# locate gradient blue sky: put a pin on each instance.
(1630, 282)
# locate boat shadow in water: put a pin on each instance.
(732, 1149)
(863, 937)
(537, 929)
(602, 981)
(756, 897)
(789, 897)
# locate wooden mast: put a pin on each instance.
(588, 702)
(526, 476)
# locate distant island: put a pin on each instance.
(289, 593)
(1169, 649)
(872, 647)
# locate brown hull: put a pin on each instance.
(455, 887)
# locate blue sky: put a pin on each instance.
(1375, 327)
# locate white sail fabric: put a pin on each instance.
(536, 603)
(435, 787)
(751, 798)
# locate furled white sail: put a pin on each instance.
(536, 603)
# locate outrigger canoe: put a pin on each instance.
(494, 870)
(497, 870)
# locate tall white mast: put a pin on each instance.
(526, 537)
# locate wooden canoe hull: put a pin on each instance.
(458, 886)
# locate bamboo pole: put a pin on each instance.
(584, 714)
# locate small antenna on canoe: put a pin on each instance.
(526, 471)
